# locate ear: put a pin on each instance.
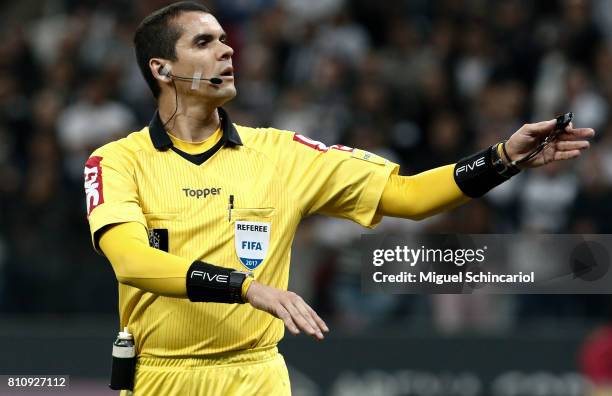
(160, 68)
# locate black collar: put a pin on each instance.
(162, 141)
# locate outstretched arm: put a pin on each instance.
(440, 189)
(422, 195)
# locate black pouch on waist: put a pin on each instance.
(124, 362)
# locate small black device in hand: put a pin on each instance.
(562, 122)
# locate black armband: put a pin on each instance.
(479, 173)
(209, 283)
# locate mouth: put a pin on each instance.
(227, 72)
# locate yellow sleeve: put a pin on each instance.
(422, 195)
(336, 181)
(111, 192)
(137, 264)
(245, 287)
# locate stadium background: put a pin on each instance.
(419, 82)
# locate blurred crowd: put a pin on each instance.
(419, 82)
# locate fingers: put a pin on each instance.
(285, 316)
(306, 313)
(570, 133)
(299, 319)
(576, 134)
(303, 316)
(540, 128)
(572, 145)
(566, 155)
(289, 307)
(317, 318)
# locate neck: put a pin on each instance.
(194, 121)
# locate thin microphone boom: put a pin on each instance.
(212, 80)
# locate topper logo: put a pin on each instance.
(93, 183)
(318, 145)
(201, 192)
(470, 167)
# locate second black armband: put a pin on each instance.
(210, 283)
(477, 174)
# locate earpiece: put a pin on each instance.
(165, 70)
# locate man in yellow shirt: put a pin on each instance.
(197, 214)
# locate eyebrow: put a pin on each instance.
(207, 37)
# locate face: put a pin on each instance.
(202, 49)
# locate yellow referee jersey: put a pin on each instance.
(237, 205)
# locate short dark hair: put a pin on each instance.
(156, 37)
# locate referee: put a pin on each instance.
(197, 214)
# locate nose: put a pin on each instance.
(226, 52)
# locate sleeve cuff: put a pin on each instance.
(108, 214)
(245, 287)
(366, 211)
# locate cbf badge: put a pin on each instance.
(252, 239)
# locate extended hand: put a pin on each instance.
(287, 306)
(567, 145)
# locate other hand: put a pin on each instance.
(287, 306)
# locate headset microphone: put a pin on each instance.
(212, 80)
(165, 71)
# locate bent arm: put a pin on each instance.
(137, 264)
(422, 195)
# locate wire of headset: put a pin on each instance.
(175, 101)
(165, 71)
